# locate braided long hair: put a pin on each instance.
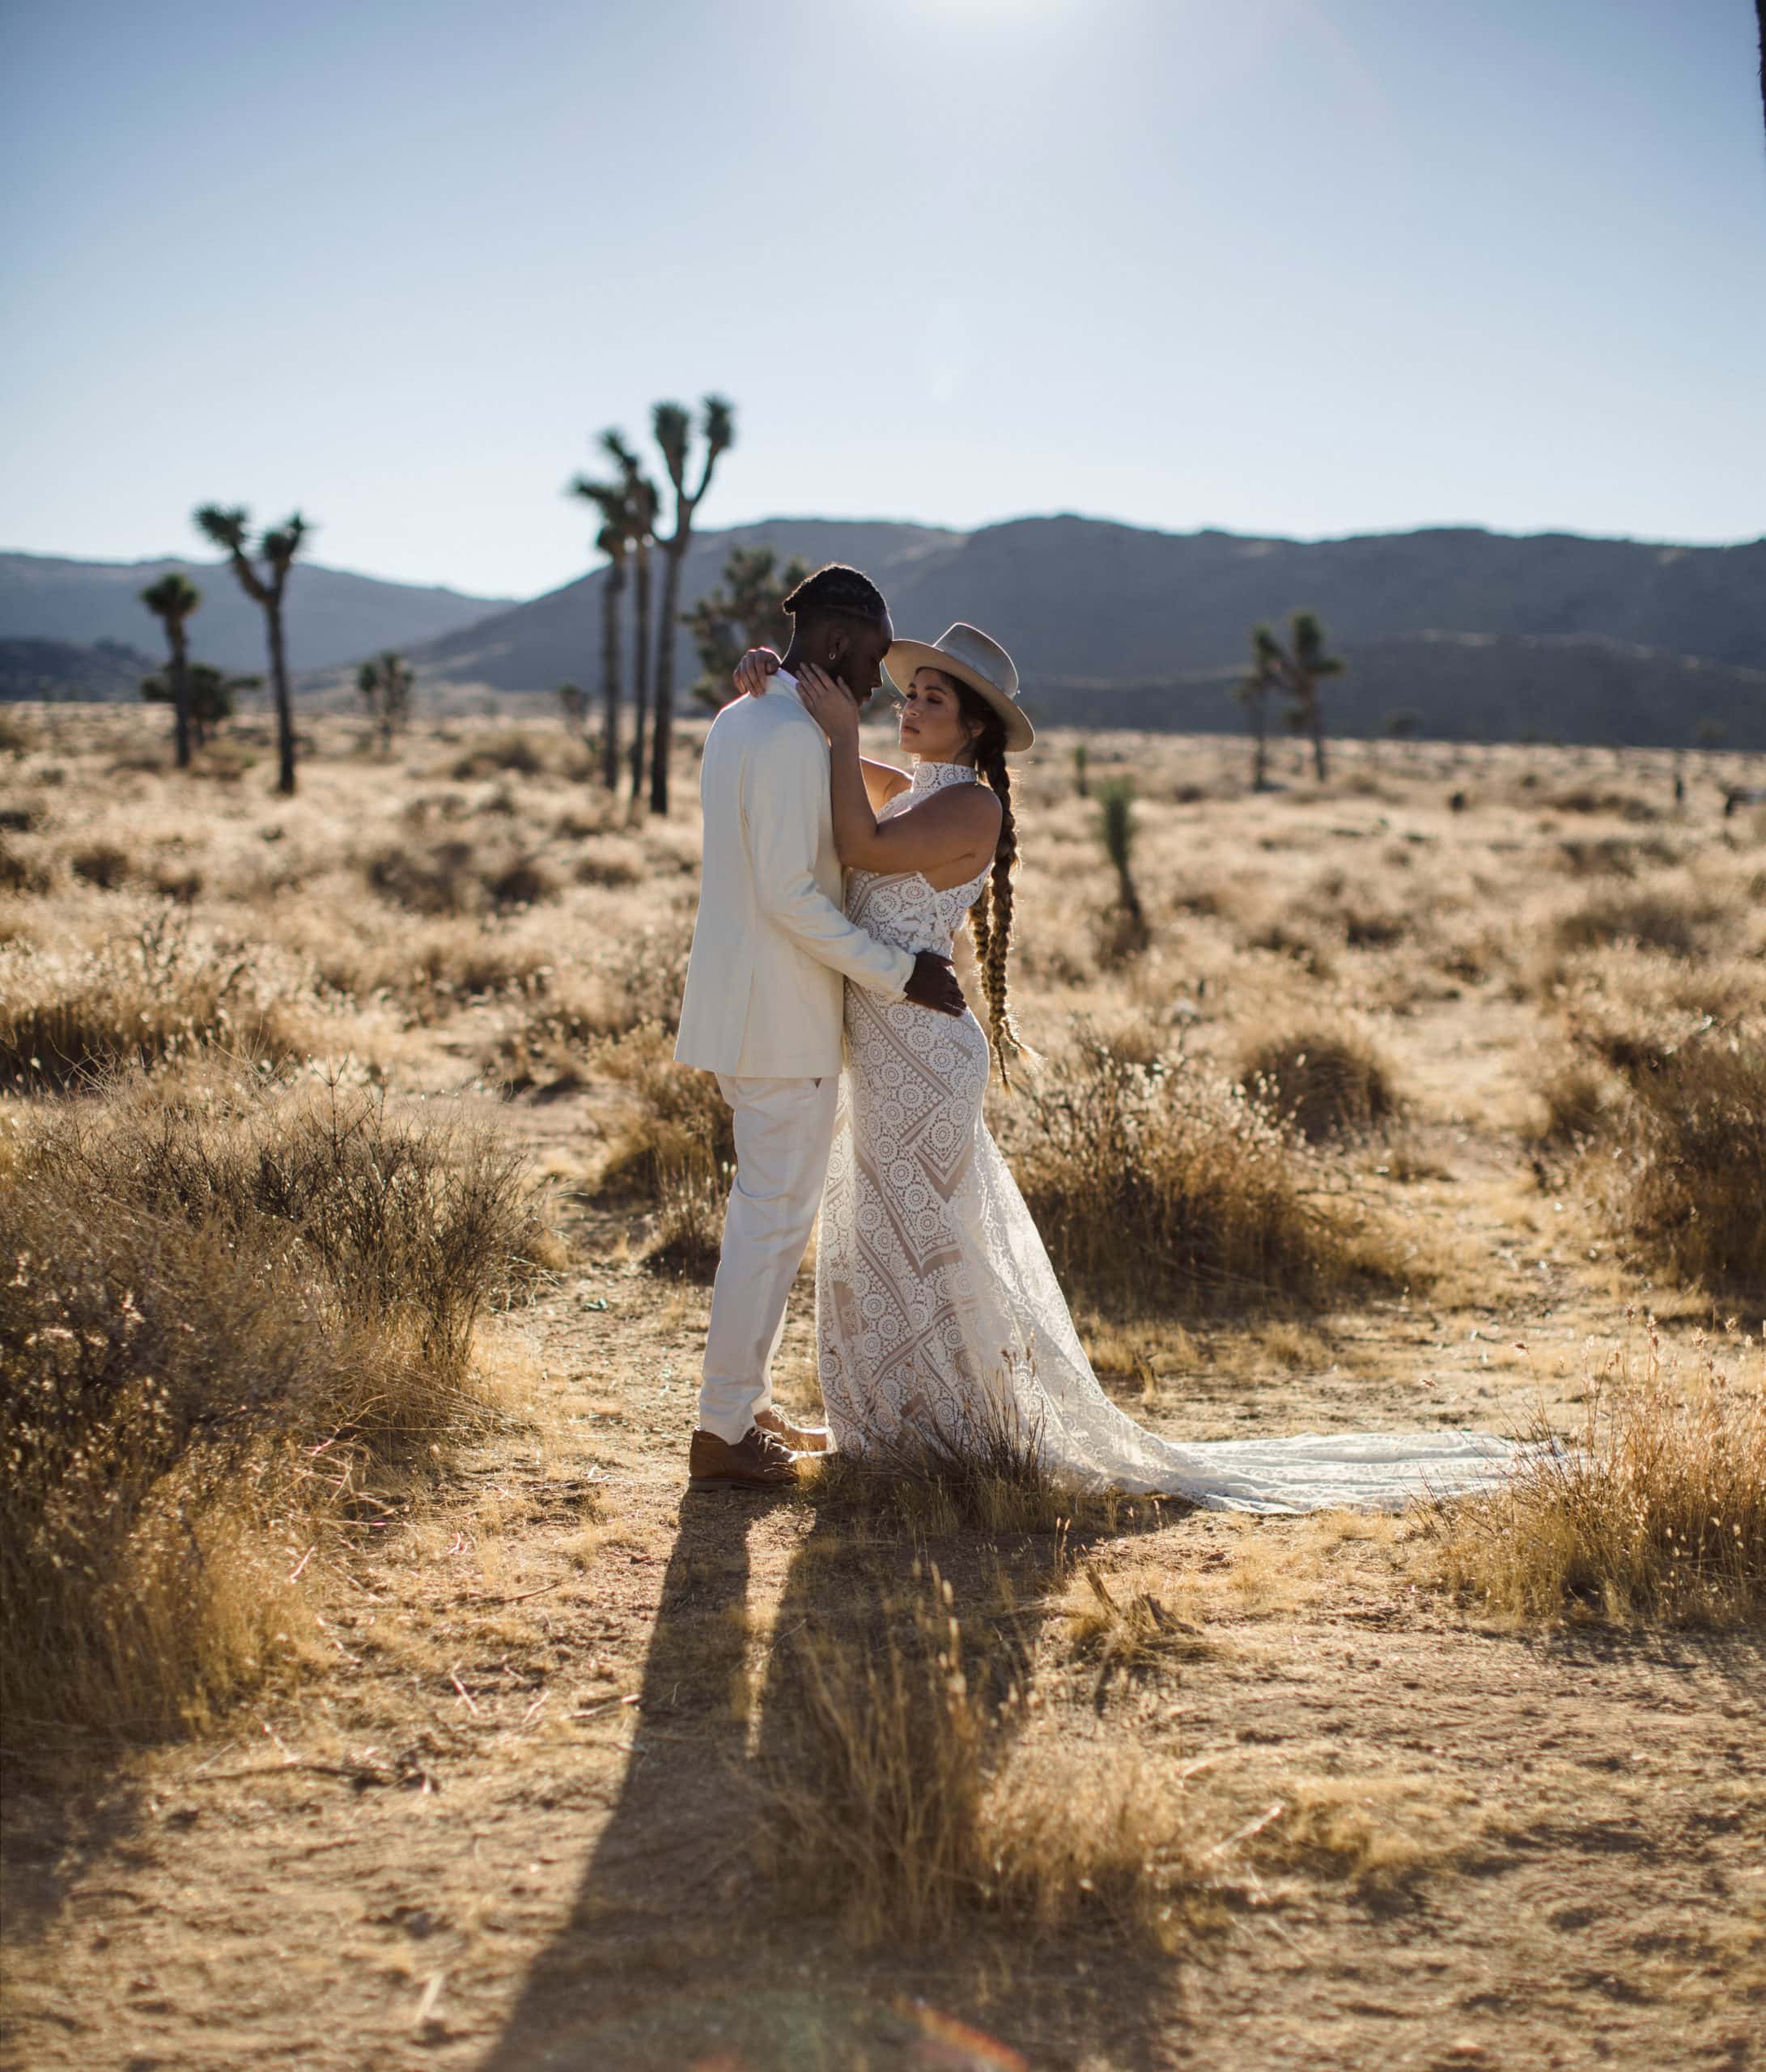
(990, 918)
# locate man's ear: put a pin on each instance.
(839, 642)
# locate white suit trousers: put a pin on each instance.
(784, 1129)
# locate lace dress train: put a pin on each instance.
(939, 1320)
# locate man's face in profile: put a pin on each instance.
(860, 666)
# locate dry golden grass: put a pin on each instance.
(911, 1801)
(234, 1309)
(1164, 1183)
(1657, 1511)
(1321, 1081)
(165, 993)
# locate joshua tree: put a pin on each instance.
(746, 610)
(628, 510)
(673, 431)
(385, 684)
(277, 549)
(574, 706)
(1252, 691)
(1298, 669)
(1082, 758)
(172, 600)
(211, 693)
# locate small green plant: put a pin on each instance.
(1117, 830)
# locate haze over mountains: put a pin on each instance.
(334, 618)
(1474, 634)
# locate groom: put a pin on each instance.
(764, 1006)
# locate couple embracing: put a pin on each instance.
(833, 891)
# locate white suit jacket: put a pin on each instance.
(772, 946)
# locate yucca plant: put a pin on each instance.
(1117, 829)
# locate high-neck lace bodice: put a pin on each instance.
(900, 906)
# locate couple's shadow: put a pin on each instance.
(681, 1949)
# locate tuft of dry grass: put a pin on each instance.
(1165, 1182)
(1658, 1512)
(909, 1805)
(233, 1310)
(1323, 1082)
(1653, 920)
(932, 1484)
(67, 1017)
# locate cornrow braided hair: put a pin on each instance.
(836, 591)
(990, 918)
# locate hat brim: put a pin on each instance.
(906, 657)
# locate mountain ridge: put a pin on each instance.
(335, 616)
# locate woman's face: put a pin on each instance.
(932, 721)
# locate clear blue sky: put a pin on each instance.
(1293, 266)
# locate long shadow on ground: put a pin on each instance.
(681, 1950)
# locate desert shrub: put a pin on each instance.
(102, 863)
(1586, 798)
(1613, 856)
(180, 883)
(1654, 920)
(233, 1308)
(1686, 1175)
(1322, 1082)
(22, 873)
(1577, 1099)
(429, 976)
(511, 753)
(608, 864)
(678, 1124)
(687, 1235)
(440, 880)
(520, 882)
(18, 737)
(65, 1016)
(632, 984)
(907, 1802)
(1164, 1183)
(1657, 1512)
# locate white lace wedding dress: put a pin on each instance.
(939, 1320)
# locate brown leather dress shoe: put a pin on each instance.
(800, 1438)
(756, 1461)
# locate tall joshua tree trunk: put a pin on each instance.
(628, 510)
(640, 660)
(612, 592)
(285, 705)
(673, 431)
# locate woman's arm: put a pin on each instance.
(952, 825)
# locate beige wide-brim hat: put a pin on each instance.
(967, 653)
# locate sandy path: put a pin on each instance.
(500, 1833)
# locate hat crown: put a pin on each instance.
(975, 650)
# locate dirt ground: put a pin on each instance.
(508, 1824)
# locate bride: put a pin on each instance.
(940, 1324)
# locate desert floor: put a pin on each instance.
(502, 1820)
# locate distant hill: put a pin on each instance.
(1476, 633)
(62, 668)
(1582, 639)
(1466, 687)
(334, 618)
